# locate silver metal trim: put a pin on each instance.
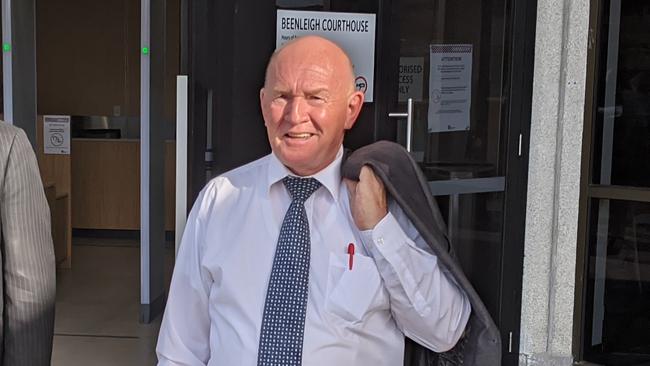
(510, 342)
(145, 142)
(467, 186)
(181, 157)
(606, 171)
(208, 123)
(609, 109)
(7, 69)
(600, 272)
(409, 121)
(520, 139)
(209, 153)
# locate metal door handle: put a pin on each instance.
(409, 121)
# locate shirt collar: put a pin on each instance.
(329, 177)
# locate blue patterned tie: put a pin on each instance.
(283, 323)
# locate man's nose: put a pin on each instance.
(295, 111)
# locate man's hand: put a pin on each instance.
(367, 199)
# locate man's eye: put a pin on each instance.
(316, 98)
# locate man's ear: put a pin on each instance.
(355, 103)
(262, 93)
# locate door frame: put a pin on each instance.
(520, 82)
(599, 12)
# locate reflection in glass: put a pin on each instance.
(622, 128)
(475, 224)
(475, 221)
(462, 154)
(618, 282)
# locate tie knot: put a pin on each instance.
(300, 188)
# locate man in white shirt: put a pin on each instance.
(371, 279)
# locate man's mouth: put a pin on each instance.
(300, 136)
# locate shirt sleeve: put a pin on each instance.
(184, 337)
(427, 305)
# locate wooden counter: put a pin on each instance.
(106, 184)
(55, 173)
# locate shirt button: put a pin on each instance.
(380, 241)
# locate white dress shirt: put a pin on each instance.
(354, 317)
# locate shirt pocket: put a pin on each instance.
(352, 293)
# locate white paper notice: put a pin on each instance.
(354, 32)
(411, 78)
(56, 135)
(450, 87)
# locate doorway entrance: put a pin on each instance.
(469, 134)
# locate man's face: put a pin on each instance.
(308, 102)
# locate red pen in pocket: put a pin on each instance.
(351, 254)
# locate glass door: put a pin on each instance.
(466, 66)
(458, 102)
(451, 71)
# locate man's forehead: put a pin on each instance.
(313, 45)
(306, 60)
(307, 71)
(311, 53)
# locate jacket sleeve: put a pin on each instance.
(427, 305)
(28, 264)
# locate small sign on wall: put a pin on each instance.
(450, 87)
(56, 135)
(354, 32)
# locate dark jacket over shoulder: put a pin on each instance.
(405, 183)
(27, 285)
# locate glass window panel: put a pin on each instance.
(618, 283)
(475, 224)
(476, 151)
(622, 125)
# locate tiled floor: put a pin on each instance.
(97, 307)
